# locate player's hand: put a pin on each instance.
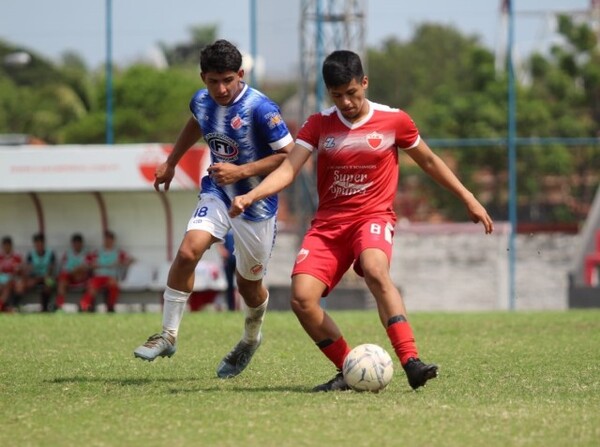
(163, 175)
(478, 214)
(225, 173)
(239, 205)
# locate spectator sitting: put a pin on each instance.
(74, 268)
(11, 284)
(107, 264)
(40, 271)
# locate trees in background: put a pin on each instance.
(446, 80)
(448, 83)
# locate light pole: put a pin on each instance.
(109, 105)
(512, 158)
(253, 49)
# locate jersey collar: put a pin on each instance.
(356, 124)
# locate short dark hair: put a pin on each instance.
(7, 240)
(77, 237)
(220, 57)
(340, 67)
(39, 237)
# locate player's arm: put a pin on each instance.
(228, 173)
(188, 136)
(435, 167)
(277, 180)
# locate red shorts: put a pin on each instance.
(71, 279)
(328, 250)
(98, 282)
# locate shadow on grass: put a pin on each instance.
(224, 388)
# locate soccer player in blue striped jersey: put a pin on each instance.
(248, 139)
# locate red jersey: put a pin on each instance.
(10, 263)
(357, 164)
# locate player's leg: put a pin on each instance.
(179, 286)
(374, 263)
(5, 292)
(253, 242)
(18, 292)
(48, 287)
(207, 225)
(321, 262)
(307, 292)
(256, 297)
(61, 289)
(230, 276)
(112, 294)
(86, 303)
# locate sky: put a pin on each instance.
(51, 27)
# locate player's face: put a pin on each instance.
(223, 87)
(350, 99)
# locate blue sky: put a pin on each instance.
(54, 26)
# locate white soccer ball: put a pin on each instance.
(368, 367)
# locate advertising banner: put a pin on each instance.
(95, 167)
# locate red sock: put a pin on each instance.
(85, 302)
(403, 341)
(336, 351)
(60, 300)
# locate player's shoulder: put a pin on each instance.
(382, 108)
(199, 100)
(330, 111)
(322, 119)
(258, 99)
(200, 95)
(390, 113)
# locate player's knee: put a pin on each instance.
(302, 305)
(186, 255)
(376, 275)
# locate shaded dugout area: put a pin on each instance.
(149, 225)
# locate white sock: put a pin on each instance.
(173, 309)
(254, 320)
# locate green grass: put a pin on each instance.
(506, 379)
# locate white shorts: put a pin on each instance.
(253, 241)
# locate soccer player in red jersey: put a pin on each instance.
(357, 143)
(11, 282)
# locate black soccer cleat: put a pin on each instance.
(418, 373)
(336, 384)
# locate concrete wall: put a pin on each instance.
(452, 267)
(461, 269)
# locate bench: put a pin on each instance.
(142, 287)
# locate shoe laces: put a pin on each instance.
(155, 340)
(238, 353)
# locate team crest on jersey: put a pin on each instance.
(302, 255)
(374, 139)
(236, 122)
(329, 142)
(222, 147)
(273, 119)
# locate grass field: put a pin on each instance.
(506, 379)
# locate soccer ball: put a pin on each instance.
(368, 367)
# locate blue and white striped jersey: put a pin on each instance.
(249, 129)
